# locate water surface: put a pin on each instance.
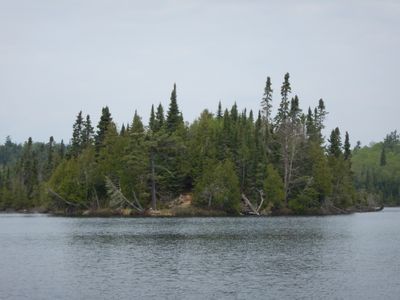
(338, 257)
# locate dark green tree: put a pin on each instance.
(152, 120)
(335, 146)
(174, 117)
(266, 102)
(76, 141)
(102, 127)
(347, 147)
(87, 133)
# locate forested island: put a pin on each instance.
(230, 162)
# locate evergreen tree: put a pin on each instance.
(273, 187)
(159, 121)
(266, 102)
(283, 110)
(50, 159)
(335, 143)
(152, 120)
(102, 127)
(174, 117)
(123, 130)
(137, 125)
(76, 141)
(87, 133)
(219, 112)
(347, 147)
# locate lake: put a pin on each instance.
(336, 257)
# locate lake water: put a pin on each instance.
(337, 257)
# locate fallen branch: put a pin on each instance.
(64, 200)
(118, 198)
(262, 200)
(249, 205)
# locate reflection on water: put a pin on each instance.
(351, 256)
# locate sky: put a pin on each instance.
(60, 57)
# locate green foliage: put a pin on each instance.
(219, 157)
(218, 187)
(273, 187)
(102, 127)
(377, 169)
(304, 201)
(174, 117)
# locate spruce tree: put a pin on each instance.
(123, 130)
(137, 125)
(152, 120)
(159, 121)
(87, 133)
(335, 146)
(102, 127)
(76, 141)
(174, 117)
(347, 149)
(266, 102)
(219, 112)
(283, 110)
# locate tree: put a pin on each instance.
(159, 120)
(283, 110)
(273, 187)
(266, 102)
(335, 143)
(218, 188)
(219, 112)
(137, 125)
(347, 147)
(152, 120)
(76, 141)
(102, 127)
(174, 117)
(87, 133)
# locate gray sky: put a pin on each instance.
(60, 57)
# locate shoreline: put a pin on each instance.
(189, 213)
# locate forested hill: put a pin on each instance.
(276, 162)
(377, 169)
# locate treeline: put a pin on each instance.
(377, 169)
(221, 157)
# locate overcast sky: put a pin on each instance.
(60, 57)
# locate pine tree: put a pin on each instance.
(219, 112)
(152, 120)
(137, 125)
(335, 143)
(50, 158)
(102, 127)
(159, 121)
(87, 133)
(266, 102)
(76, 141)
(123, 130)
(283, 111)
(234, 112)
(347, 147)
(174, 117)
